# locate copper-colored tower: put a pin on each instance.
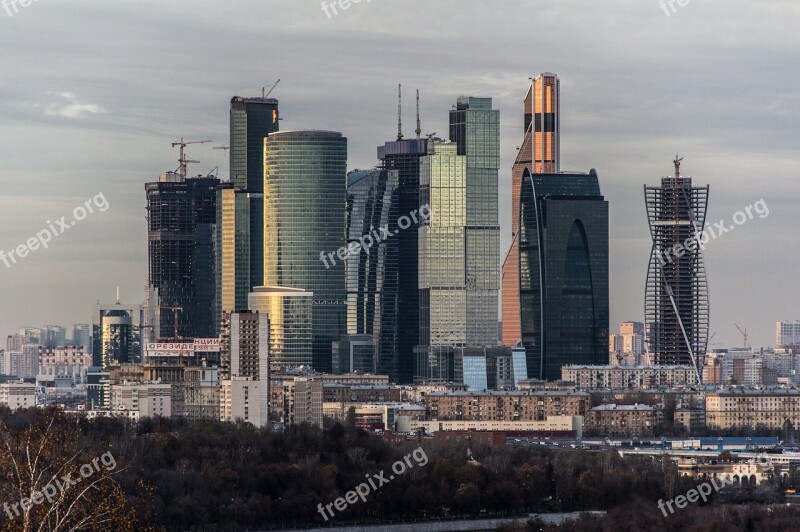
(540, 152)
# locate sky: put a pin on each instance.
(95, 91)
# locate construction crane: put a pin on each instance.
(175, 310)
(272, 88)
(744, 334)
(182, 159)
(225, 148)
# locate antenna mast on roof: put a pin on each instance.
(399, 113)
(418, 131)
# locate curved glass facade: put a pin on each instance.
(372, 274)
(563, 243)
(304, 217)
(289, 313)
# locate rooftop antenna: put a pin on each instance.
(418, 131)
(677, 163)
(399, 112)
(117, 294)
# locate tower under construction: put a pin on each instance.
(676, 296)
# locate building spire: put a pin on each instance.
(399, 113)
(418, 131)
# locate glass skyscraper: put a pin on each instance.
(475, 129)
(241, 203)
(442, 248)
(373, 273)
(538, 153)
(563, 245)
(459, 273)
(289, 314)
(404, 156)
(305, 201)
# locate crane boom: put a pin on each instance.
(182, 159)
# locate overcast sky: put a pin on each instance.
(94, 92)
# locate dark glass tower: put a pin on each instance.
(563, 244)
(373, 274)
(180, 217)
(305, 201)
(404, 156)
(251, 120)
(676, 298)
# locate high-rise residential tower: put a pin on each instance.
(305, 200)
(373, 273)
(676, 297)
(538, 153)
(241, 204)
(180, 219)
(563, 273)
(404, 156)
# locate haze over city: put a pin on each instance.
(95, 93)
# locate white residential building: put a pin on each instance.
(240, 399)
(787, 333)
(148, 399)
(17, 395)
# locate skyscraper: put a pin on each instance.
(180, 219)
(404, 156)
(676, 298)
(242, 239)
(373, 273)
(305, 200)
(459, 242)
(563, 287)
(475, 129)
(538, 153)
(289, 313)
(116, 334)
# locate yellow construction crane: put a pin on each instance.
(182, 159)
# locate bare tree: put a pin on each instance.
(50, 482)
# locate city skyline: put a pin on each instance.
(598, 130)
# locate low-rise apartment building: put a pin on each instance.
(736, 408)
(505, 405)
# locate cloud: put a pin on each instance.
(70, 107)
